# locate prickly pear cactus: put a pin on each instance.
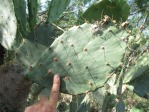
(84, 56)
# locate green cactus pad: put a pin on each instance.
(8, 24)
(34, 45)
(116, 9)
(20, 12)
(33, 6)
(140, 85)
(142, 64)
(83, 56)
(56, 8)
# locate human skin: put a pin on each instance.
(45, 104)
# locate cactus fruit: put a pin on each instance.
(8, 24)
(56, 8)
(83, 56)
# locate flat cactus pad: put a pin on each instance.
(84, 56)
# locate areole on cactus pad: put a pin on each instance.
(84, 57)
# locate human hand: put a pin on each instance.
(45, 104)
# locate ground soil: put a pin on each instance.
(14, 89)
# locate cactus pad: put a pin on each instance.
(20, 13)
(33, 46)
(83, 56)
(142, 64)
(8, 23)
(56, 8)
(116, 9)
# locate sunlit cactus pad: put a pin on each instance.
(8, 24)
(84, 56)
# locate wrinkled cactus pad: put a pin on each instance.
(83, 56)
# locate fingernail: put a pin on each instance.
(56, 77)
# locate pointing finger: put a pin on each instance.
(55, 91)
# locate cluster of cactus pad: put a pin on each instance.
(87, 57)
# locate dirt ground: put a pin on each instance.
(14, 89)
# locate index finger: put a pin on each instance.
(55, 91)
